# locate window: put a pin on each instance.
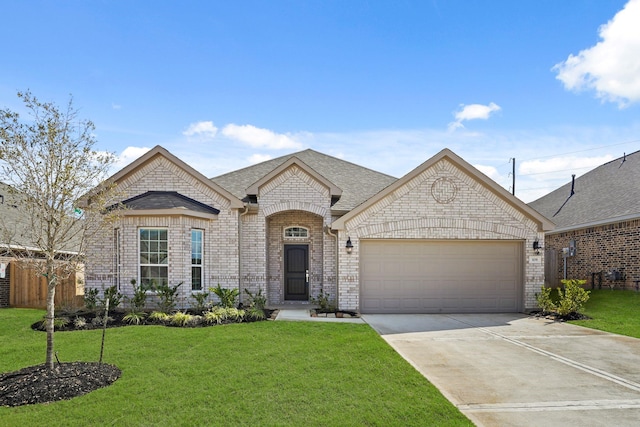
(154, 256)
(196, 260)
(296, 232)
(116, 257)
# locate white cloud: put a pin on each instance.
(130, 154)
(561, 167)
(205, 130)
(473, 112)
(612, 66)
(490, 171)
(260, 138)
(259, 158)
(116, 106)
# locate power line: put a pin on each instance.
(582, 151)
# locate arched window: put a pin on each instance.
(296, 232)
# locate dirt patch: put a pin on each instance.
(37, 384)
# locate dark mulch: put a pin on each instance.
(558, 318)
(37, 384)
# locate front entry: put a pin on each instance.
(296, 272)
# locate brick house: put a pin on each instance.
(597, 219)
(443, 238)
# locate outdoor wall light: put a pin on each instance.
(536, 246)
(349, 246)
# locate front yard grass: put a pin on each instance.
(264, 373)
(613, 311)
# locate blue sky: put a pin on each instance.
(384, 84)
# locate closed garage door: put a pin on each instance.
(409, 276)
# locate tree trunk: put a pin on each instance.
(51, 312)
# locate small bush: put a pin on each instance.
(215, 316)
(201, 300)
(257, 300)
(181, 318)
(139, 299)
(323, 301)
(134, 317)
(91, 298)
(99, 320)
(571, 300)
(228, 297)
(168, 296)
(255, 313)
(80, 322)
(160, 317)
(113, 296)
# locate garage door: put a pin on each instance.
(409, 276)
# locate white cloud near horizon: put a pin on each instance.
(203, 129)
(473, 112)
(612, 66)
(259, 158)
(130, 154)
(259, 138)
(561, 167)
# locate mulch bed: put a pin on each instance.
(37, 384)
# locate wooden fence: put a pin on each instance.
(27, 289)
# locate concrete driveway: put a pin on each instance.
(513, 370)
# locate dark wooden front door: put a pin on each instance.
(296, 272)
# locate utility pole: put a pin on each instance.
(513, 176)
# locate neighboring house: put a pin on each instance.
(443, 238)
(597, 219)
(20, 286)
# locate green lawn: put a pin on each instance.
(265, 373)
(613, 311)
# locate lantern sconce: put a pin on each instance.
(536, 246)
(349, 246)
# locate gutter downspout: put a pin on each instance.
(241, 214)
(327, 229)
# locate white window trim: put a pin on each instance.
(201, 265)
(284, 232)
(152, 265)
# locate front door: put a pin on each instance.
(296, 272)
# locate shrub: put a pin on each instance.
(228, 297)
(113, 296)
(201, 300)
(167, 295)
(139, 299)
(80, 322)
(91, 298)
(181, 318)
(257, 300)
(571, 300)
(323, 302)
(160, 317)
(134, 317)
(256, 313)
(215, 316)
(99, 320)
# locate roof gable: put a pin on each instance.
(542, 222)
(357, 183)
(254, 189)
(606, 194)
(159, 151)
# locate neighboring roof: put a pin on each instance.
(543, 223)
(160, 151)
(609, 193)
(356, 182)
(167, 200)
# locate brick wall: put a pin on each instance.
(5, 286)
(600, 248)
(220, 250)
(417, 211)
(292, 198)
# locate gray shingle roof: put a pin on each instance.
(167, 200)
(610, 191)
(356, 182)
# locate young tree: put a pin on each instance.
(49, 162)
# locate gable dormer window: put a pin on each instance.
(296, 232)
